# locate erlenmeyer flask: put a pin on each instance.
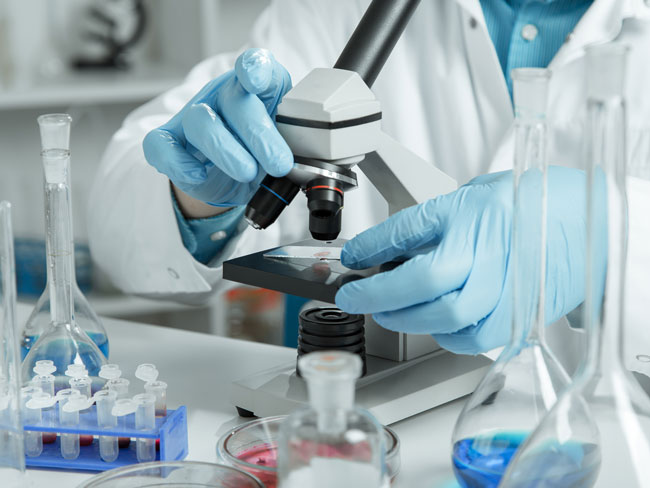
(569, 449)
(55, 134)
(12, 453)
(331, 442)
(526, 380)
(63, 342)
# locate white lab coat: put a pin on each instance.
(443, 95)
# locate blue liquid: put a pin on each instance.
(100, 340)
(481, 462)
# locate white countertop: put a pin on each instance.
(199, 369)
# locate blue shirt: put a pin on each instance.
(525, 33)
(528, 33)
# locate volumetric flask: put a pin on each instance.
(568, 449)
(64, 342)
(55, 135)
(331, 442)
(526, 379)
(12, 451)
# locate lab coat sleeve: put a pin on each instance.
(133, 232)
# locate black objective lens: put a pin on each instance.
(325, 202)
(273, 195)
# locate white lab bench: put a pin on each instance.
(199, 369)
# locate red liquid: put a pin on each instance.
(85, 440)
(49, 437)
(264, 455)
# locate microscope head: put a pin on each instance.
(331, 120)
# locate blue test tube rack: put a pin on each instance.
(171, 430)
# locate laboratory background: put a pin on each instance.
(311, 349)
(39, 42)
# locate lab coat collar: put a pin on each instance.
(601, 23)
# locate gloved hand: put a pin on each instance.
(230, 122)
(459, 288)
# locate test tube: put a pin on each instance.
(105, 400)
(33, 439)
(121, 387)
(159, 390)
(122, 408)
(145, 419)
(33, 408)
(44, 377)
(69, 442)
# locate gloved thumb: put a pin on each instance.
(260, 74)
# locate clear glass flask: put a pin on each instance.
(63, 342)
(55, 135)
(331, 442)
(12, 450)
(526, 379)
(568, 449)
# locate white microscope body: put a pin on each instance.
(332, 122)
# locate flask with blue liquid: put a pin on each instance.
(526, 379)
(569, 449)
(63, 341)
(55, 135)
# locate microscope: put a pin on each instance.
(331, 120)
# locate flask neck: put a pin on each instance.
(606, 236)
(529, 231)
(331, 399)
(59, 241)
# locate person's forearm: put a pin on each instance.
(193, 208)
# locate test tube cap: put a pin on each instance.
(67, 393)
(146, 372)
(76, 371)
(102, 395)
(30, 390)
(40, 400)
(76, 403)
(124, 406)
(43, 367)
(110, 372)
(144, 399)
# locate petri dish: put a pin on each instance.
(252, 447)
(174, 474)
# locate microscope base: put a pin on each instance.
(391, 390)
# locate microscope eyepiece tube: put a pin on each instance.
(325, 202)
(271, 198)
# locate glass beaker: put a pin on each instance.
(526, 379)
(55, 134)
(63, 342)
(598, 433)
(12, 450)
(331, 442)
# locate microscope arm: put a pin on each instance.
(401, 176)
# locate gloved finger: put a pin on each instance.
(247, 117)
(260, 74)
(205, 130)
(488, 334)
(461, 308)
(449, 313)
(165, 153)
(418, 280)
(409, 229)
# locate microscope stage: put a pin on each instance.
(316, 273)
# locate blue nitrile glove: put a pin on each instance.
(459, 287)
(230, 121)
